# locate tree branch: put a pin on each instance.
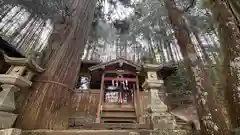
(192, 4)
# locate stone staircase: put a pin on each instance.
(182, 124)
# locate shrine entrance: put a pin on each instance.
(118, 101)
(120, 88)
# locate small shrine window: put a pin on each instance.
(83, 83)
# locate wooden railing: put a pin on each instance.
(93, 91)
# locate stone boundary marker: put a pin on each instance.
(236, 131)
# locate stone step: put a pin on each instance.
(106, 132)
(85, 132)
(101, 126)
(7, 119)
(94, 132)
(118, 109)
(118, 115)
(119, 120)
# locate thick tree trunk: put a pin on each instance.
(4, 11)
(47, 104)
(234, 8)
(20, 28)
(10, 19)
(202, 88)
(229, 39)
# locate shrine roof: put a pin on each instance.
(119, 61)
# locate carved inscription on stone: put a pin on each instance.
(152, 76)
(134, 133)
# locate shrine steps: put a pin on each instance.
(111, 126)
(125, 115)
(85, 132)
(116, 109)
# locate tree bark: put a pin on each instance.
(229, 39)
(20, 28)
(234, 8)
(47, 104)
(4, 11)
(202, 87)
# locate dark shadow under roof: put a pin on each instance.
(9, 49)
(118, 60)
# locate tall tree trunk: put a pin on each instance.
(47, 104)
(28, 41)
(88, 47)
(20, 28)
(55, 40)
(23, 37)
(11, 19)
(4, 11)
(229, 39)
(151, 50)
(202, 88)
(234, 8)
(212, 71)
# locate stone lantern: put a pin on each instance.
(17, 78)
(160, 118)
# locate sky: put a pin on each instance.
(120, 11)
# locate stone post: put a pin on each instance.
(17, 78)
(160, 118)
(236, 131)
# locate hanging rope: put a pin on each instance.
(54, 82)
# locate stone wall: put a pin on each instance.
(172, 132)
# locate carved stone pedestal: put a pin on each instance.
(134, 133)
(157, 110)
(236, 131)
(7, 119)
(7, 101)
(10, 131)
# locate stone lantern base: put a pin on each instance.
(7, 119)
(11, 131)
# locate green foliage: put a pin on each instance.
(205, 3)
(148, 58)
(178, 82)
